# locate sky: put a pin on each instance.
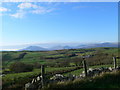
(58, 22)
(60, 0)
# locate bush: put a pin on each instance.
(18, 67)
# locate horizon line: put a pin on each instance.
(2, 45)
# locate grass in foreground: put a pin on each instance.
(17, 80)
(106, 80)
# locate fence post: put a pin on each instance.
(85, 67)
(42, 75)
(115, 63)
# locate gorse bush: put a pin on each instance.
(18, 67)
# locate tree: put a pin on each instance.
(18, 67)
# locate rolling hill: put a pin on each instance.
(61, 47)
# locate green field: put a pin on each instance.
(55, 62)
(58, 57)
(22, 78)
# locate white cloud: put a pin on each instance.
(27, 5)
(35, 9)
(19, 14)
(41, 10)
(27, 8)
(2, 9)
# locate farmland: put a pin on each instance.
(57, 61)
(58, 57)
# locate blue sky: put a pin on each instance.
(28, 23)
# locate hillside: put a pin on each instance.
(105, 80)
(59, 57)
(57, 61)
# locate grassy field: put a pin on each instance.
(55, 61)
(55, 58)
(106, 80)
(19, 79)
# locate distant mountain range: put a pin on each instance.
(33, 48)
(99, 45)
(60, 47)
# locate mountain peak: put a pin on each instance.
(34, 48)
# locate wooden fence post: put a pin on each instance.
(115, 63)
(85, 67)
(42, 75)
